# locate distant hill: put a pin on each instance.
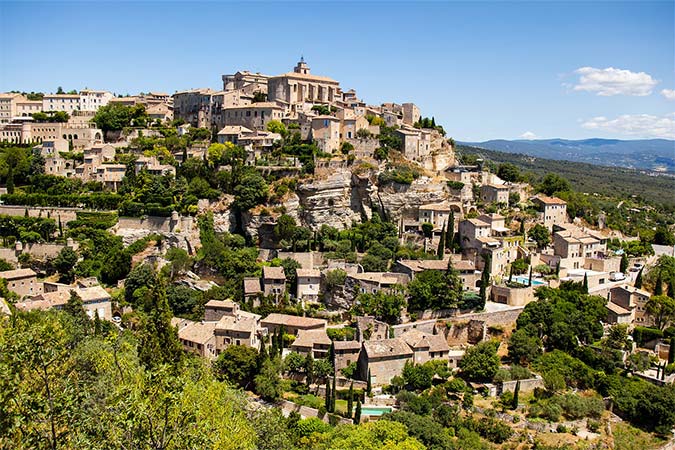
(584, 177)
(647, 154)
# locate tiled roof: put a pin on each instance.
(293, 321)
(17, 273)
(387, 348)
(307, 338)
(273, 273)
(199, 332)
(346, 345)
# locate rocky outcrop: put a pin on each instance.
(329, 201)
(397, 200)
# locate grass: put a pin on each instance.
(627, 437)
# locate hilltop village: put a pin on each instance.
(348, 250)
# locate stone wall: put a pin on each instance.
(525, 385)
(173, 224)
(506, 317)
(306, 412)
(37, 251)
(66, 214)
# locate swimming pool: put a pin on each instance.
(525, 280)
(375, 410)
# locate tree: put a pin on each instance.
(662, 310)
(267, 382)
(329, 397)
(350, 399)
(434, 289)
(508, 172)
(553, 183)
(237, 364)
(624, 263)
(157, 340)
(357, 413)
(480, 362)
(115, 116)
(638, 279)
(540, 235)
(485, 279)
(440, 251)
(427, 229)
(13, 160)
(524, 348)
(64, 263)
(450, 231)
(516, 393)
(75, 309)
(369, 385)
(519, 266)
(284, 230)
(585, 283)
(251, 191)
(140, 276)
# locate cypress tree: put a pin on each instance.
(327, 402)
(369, 386)
(510, 276)
(516, 393)
(663, 372)
(671, 351)
(638, 279)
(357, 413)
(624, 263)
(658, 287)
(350, 399)
(450, 231)
(441, 244)
(671, 289)
(557, 268)
(529, 280)
(522, 227)
(585, 285)
(334, 396)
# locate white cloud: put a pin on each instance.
(669, 94)
(528, 135)
(611, 81)
(635, 125)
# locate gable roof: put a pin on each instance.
(307, 338)
(273, 273)
(293, 321)
(17, 273)
(199, 332)
(386, 348)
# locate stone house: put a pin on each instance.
(383, 359)
(425, 346)
(301, 86)
(471, 231)
(308, 281)
(374, 282)
(438, 214)
(512, 296)
(95, 300)
(255, 116)
(23, 282)
(315, 342)
(291, 324)
(494, 193)
(241, 328)
(198, 338)
(273, 281)
(214, 310)
(326, 133)
(345, 353)
(553, 211)
(630, 300)
(369, 328)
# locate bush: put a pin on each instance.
(642, 335)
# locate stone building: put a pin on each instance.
(95, 300)
(383, 359)
(631, 301)
(255, 116)
(326, 133)
(315, 342)
(197, 337)
(553, 211)
(214, 310)
(291, 324)
(300, 86)
(494, 193)
(308, 281)
(426, 346)
(273, 281)
(345, 353)
(9, 106)
(23, 282)
(239, 328)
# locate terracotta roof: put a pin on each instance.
(387, 348)
(308, 273)
(419, 339)
(17, 273)
(376, 277)
(307, 338)
(252, 285)
(550, 200)
(418, 265)
(293, 321)
(440, 206)
(199, 332)
(305, 76)
(478, 222)
(234, 129)
(240, 322)
(346, 345)
(273, 273)
(617, 309)
(220, 304)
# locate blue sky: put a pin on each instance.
(484, 70)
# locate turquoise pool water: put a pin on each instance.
(375, 410)
(524, 280)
